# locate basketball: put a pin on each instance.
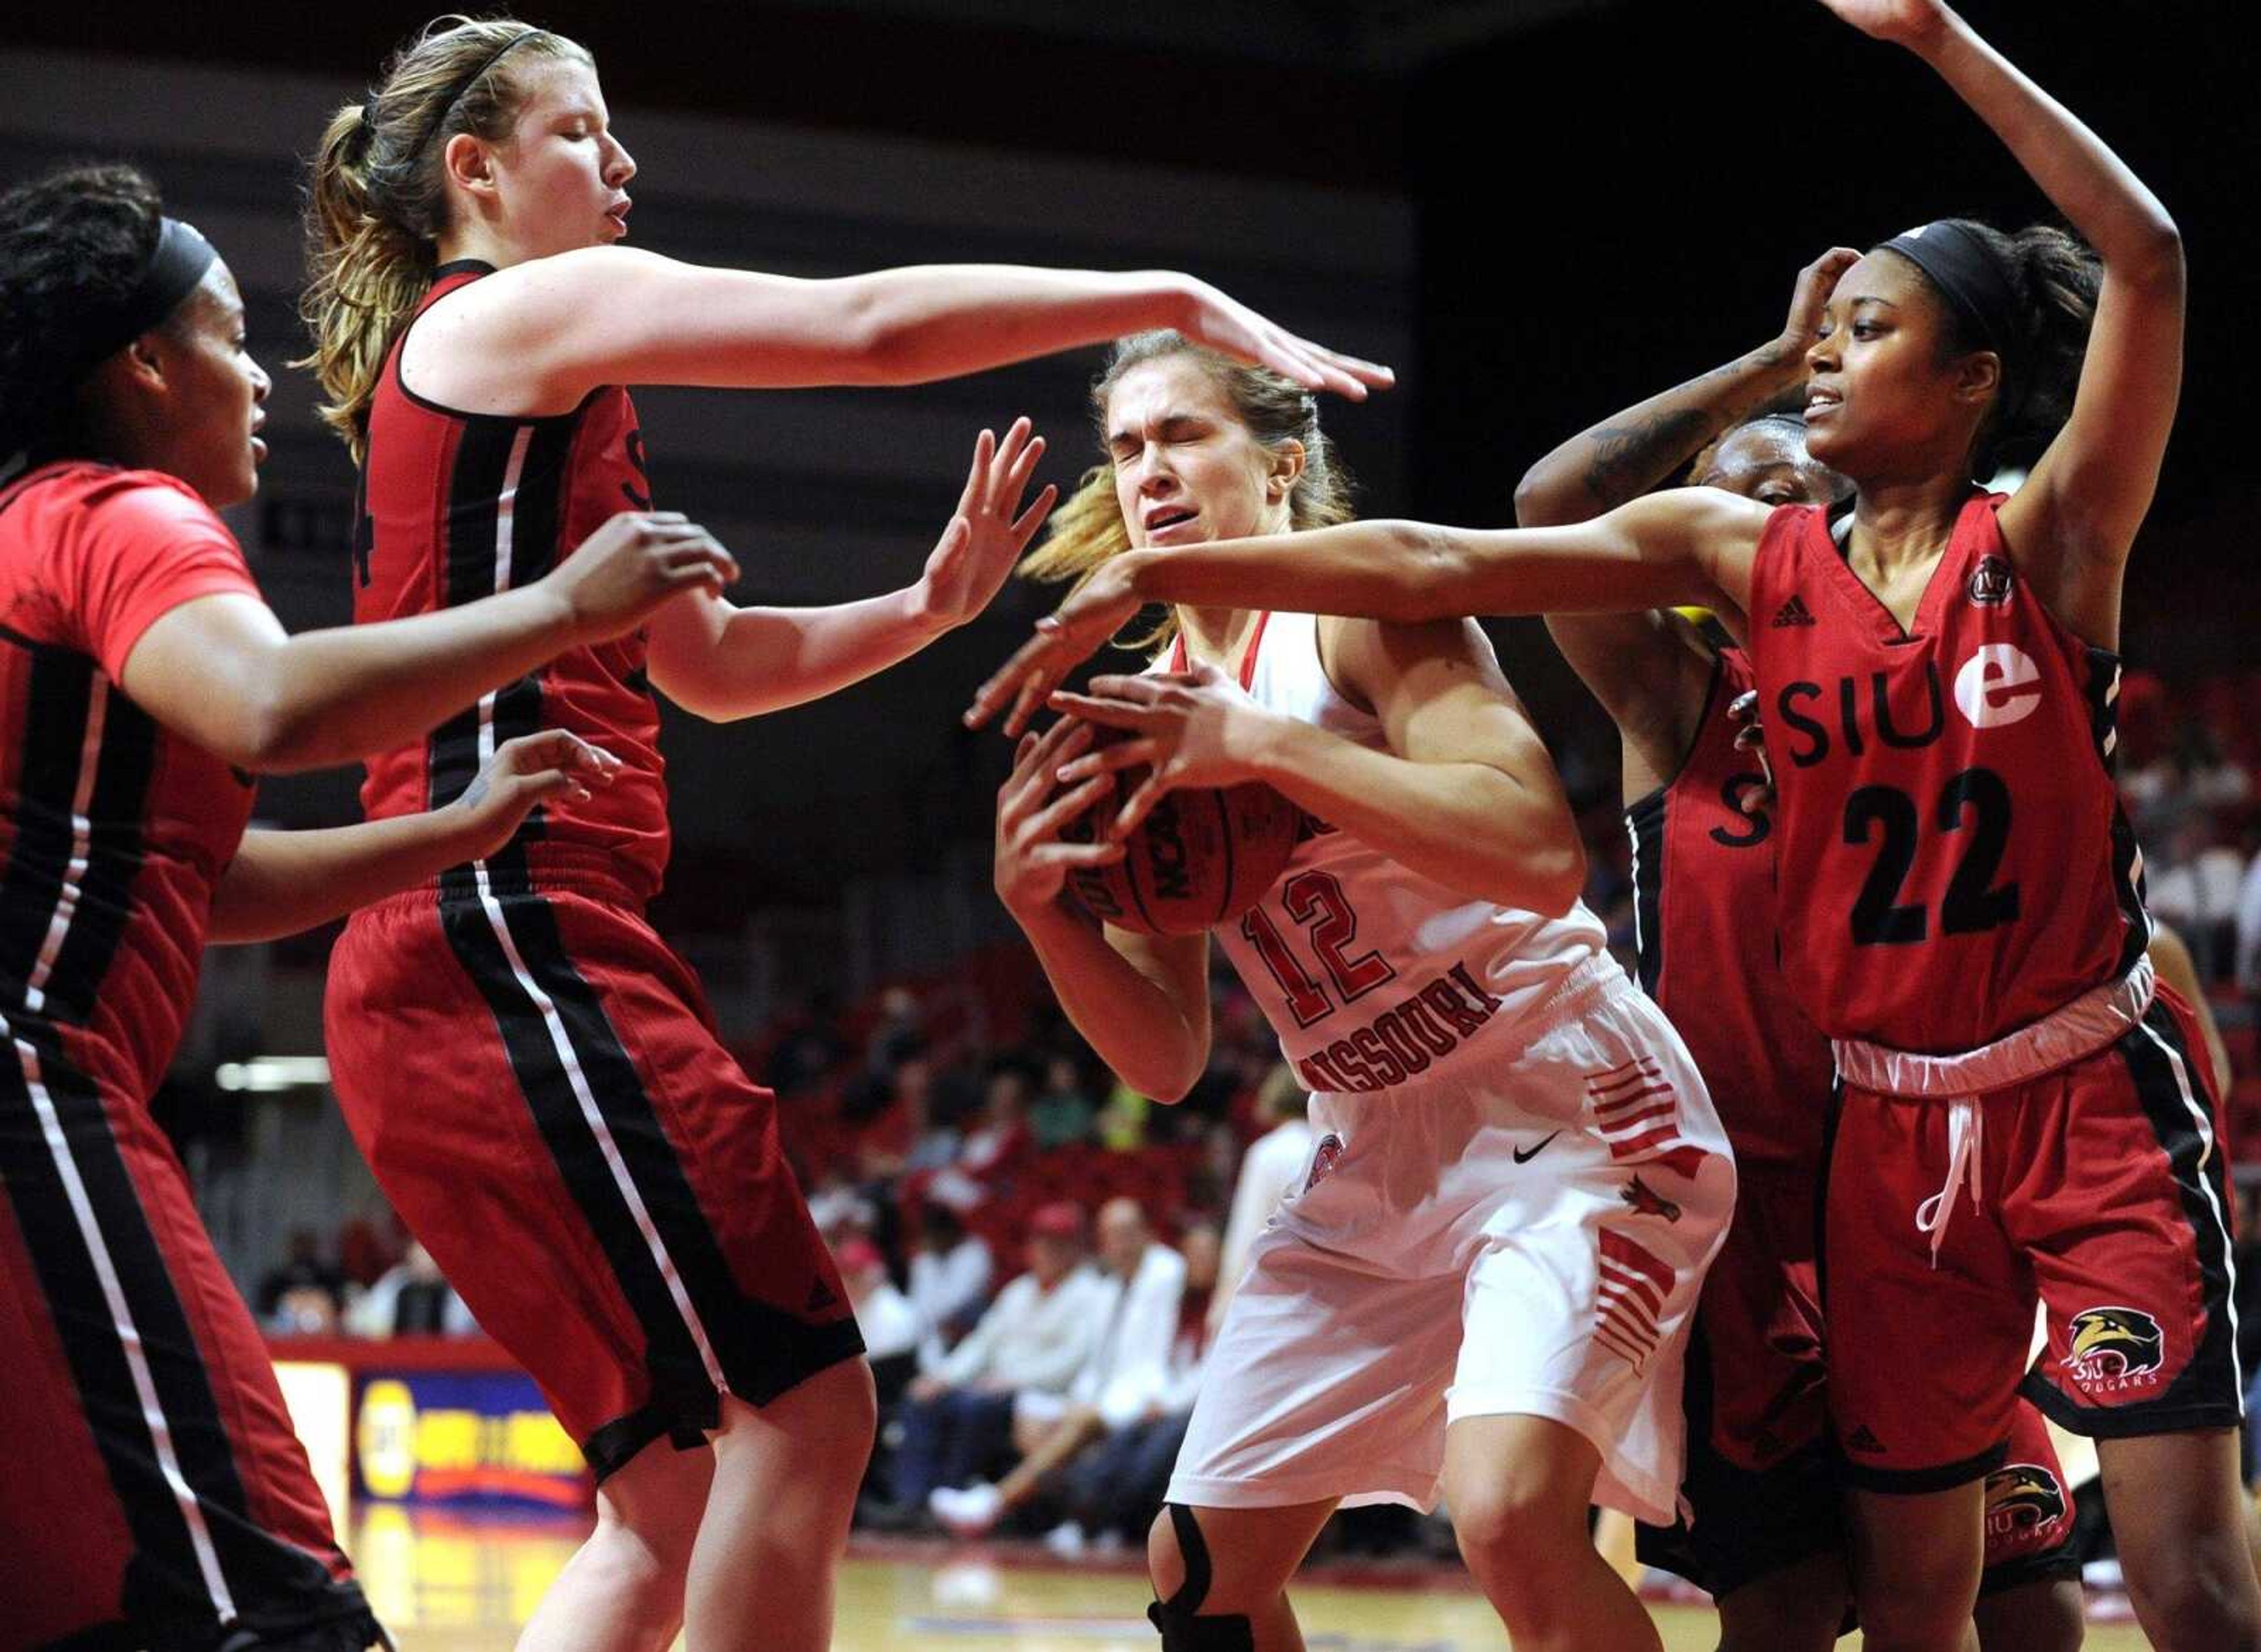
(1201, 857)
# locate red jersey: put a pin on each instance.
(456, 506)
(113, 831)
(1704, 912)
(1953, 859)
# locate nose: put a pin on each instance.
(260, 383)
(623, 165)
(1821, 355)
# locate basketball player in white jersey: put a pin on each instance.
(1481, 1283)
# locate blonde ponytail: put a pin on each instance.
(376, 200)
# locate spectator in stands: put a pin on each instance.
(994, 1143)
(949, 1282)
(1064, 1115)
(1124, 1380)
(1035, 1337)
(890, 1325)
(1113, 1491)
(412, 1299)
(306, 1269)
(1267, 1170)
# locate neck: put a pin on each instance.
(1218, 636)
(484, 243)
(1898, 524)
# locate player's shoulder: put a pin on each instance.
(111, 499)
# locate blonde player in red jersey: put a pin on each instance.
(1481, 1283)
(531, 1072)
(2025, 1116)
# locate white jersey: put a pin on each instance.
(1372, 975)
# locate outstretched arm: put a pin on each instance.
(281, 882)
(2073, 523)
(220, 669)
(1465, 793)
(721, 663)
(556, 327)
(1687, 545)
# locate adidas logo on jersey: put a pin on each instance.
(1793, 612)
(1862, 1440)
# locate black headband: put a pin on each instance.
(1968, 273)
(175, 267)
(456, 97)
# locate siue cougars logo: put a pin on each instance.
(2111, 1345)
(1645, 1202)
(2022, 1497)
(1331, 1149)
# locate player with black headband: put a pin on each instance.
(159, 1495)
(2025, 1113)
(1764, 1532)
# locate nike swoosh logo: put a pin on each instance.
(1522, 1157)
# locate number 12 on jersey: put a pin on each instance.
(1316, 902)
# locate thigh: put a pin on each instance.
(1327, 1382)
(1924, 1356)
(2122, 1201)
(2030, 1513)
(174, 1494)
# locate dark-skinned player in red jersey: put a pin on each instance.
(1765, 1534)
(532, 1074)
(157, 1495)
(2026, 1116)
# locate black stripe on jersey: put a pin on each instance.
(2206, 1393)
(116, 850)
(274, 1583)
(762, 1350)
(1225, 835)
(58, 691)
(467, 569)
(2102, 678)
(1646, 820)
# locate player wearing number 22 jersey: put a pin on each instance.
(1517, 1181)
(1962, 911)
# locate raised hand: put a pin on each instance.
(636, 561)
(1034, 806)
(1226, 324)
(523, 773)
(1815, 283)
(1099, 608)
(1190, 728)
(985, 537)
(1913, 24)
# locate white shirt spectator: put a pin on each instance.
(1032, 1337)
(890, 1325)
(2249, 929)
(943, 1287)
(1130, 1366)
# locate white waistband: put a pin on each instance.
(2080, 1029)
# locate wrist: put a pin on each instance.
(1180, 299)
(1262, 743)
(1780, 362)
(922, 612)
(558, 620)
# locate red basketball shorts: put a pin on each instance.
(535, 1080)
(156, 1494)
(1765, 1486)
(2099, 1187)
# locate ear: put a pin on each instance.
(142, 363)
(1979, 377)
(469, 165)
(1288, 461)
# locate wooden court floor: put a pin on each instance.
(451, 1586)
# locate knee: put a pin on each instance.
(1925, 1599)
(2197, 1599)
(1511, 1529)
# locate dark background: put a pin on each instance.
(1609, 196)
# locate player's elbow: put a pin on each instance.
(2152, 260)
(1536, 502)
(1552, 879)
(272, 733)
(1425, 578)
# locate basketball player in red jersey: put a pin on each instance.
(531, 1072)
(1483, 1284)
(1965, 919)
(1765, 1533)
(158, 1496)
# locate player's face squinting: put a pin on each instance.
(216, 393)
(1186, 470)
(1885, 401)
(562, 177)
